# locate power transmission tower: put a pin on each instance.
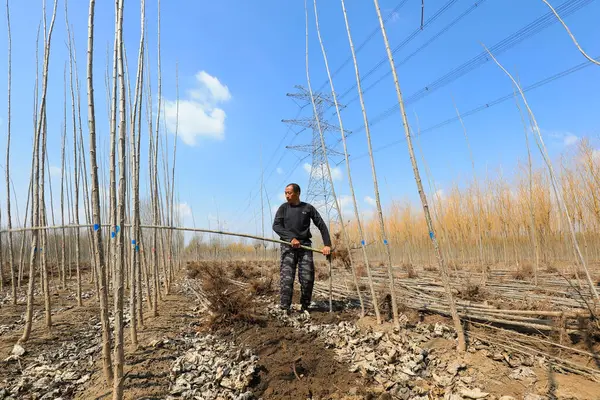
(318, 192)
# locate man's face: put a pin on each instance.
(290, 196)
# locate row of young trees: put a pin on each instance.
(111, 233)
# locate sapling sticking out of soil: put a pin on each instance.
(36, 200)
(350, 262)
(98, 247)
(75, 162)
(439, 255)
(326, 160)
(11, 256)
(119, 354)
(376, 187)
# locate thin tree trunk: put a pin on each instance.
(444, 271)
(75, 164)
(113, 142)
(120, 266)
(155, 175)
(11, 258)
(374, 173)
(533, 235)
(44, 234)
(99, 249)
(36, 205)
(478, 194)
(135, 184)
(342, 225)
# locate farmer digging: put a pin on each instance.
(292, 224)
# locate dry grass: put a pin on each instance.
(229, 304)
(471, 291)
(525, 271)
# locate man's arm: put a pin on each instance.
(321, 225)
(278, 227)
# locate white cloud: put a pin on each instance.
(185, 211)
(210, 89)
(370, 201)
(440, 194)
(336, 172)
(565, 138)
(570, 139)
(280, 170)
(199, 115)
(55, 172)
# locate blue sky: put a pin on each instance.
(238, 59)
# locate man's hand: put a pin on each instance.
(295, 243)
(326, 250)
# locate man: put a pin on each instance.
(292, 224)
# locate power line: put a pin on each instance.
(565, 9)
(489, 104)
(418, 50)
(363, 44)
(384, 60)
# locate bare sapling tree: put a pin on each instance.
(478, 197)
(11, 256)
(153, 294)
(374, 174)
(438, 252)
(75, 162)
(171, 244)
(63, 272)
(324, 149)
(532, 229)
(119, 354)
(35, 187)
(138, 231)
(112, 163)
(156, 194)
(135, 192)
(345, 235)
(44, 222)
(96, 216)
(555, 184)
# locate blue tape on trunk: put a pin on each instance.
(137, 248)
(362, 242)
(133, 241)
(96, 227)
(385, 241)
(112, 235)
(118, 228)
(431, 235)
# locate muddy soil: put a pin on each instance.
(297, 365)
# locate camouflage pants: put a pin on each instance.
(291, 257)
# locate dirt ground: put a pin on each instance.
(297, 365)
(292, 363)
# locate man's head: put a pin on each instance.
(292, 193)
